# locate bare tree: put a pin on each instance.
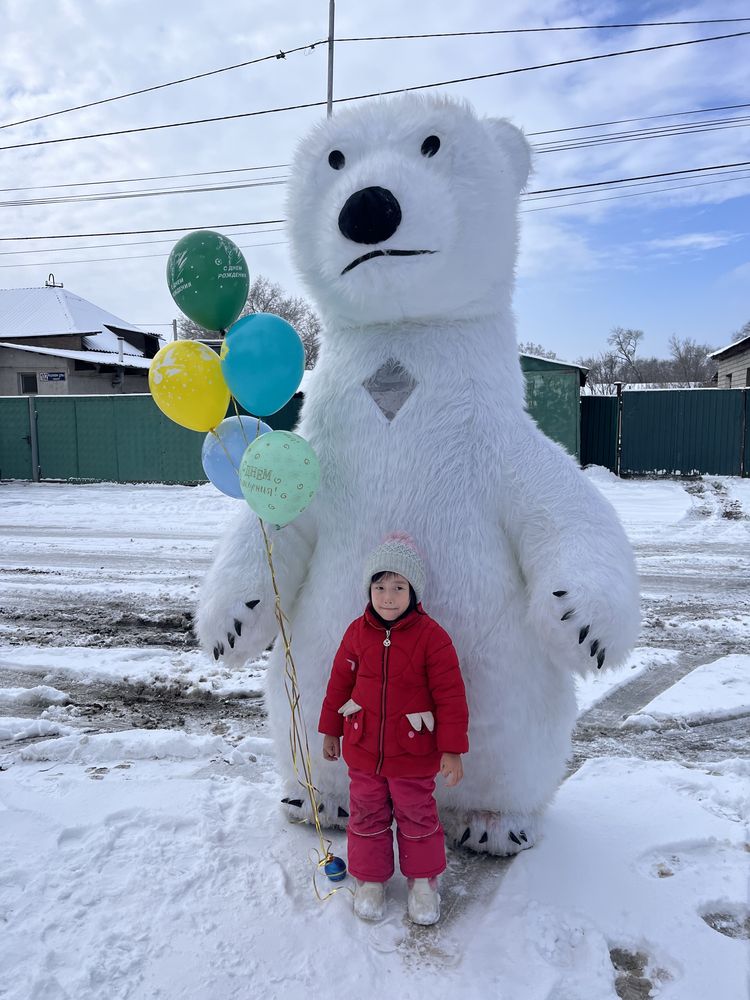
(604, 371)
(690, 362)
(265, 295)
(529, 347)
(744, 331)
(625, 344)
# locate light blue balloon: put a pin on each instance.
(263, 361)
(223, 450)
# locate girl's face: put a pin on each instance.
(390, 596)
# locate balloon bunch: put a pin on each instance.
(260, 366)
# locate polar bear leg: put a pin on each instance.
(491, 833)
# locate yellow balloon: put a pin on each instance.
(186, 382)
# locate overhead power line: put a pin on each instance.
(145, 256)
(310, 46)
(142, 232)
(525, 31)
(161, 86)
(641, 177)
(119, 195)
(281, 166)
(644, 118)
(268, 222)
(47, 262)
(634, 194)
(563, 145)
(382, 93)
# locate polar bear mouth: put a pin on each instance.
(384, 253)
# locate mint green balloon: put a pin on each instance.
(279, 476)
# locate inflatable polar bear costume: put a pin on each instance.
(403, 223)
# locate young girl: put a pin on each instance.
(397, 697)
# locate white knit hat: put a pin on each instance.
(397, 553)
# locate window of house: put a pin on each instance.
(728, 381)
(27, 383)
(747, 376)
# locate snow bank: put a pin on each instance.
(135, 744)
(40, 695)
(718, 690)
(24, 729)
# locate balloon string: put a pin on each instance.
(224, 449)
(298, 742)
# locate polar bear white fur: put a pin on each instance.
(528, 567)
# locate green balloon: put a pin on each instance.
(208, 279)
(279, 476)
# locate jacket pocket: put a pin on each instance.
(418, 741)
(354, 727)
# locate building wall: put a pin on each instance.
(75, 383)
(738, 367)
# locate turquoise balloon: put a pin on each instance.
(279, 476)
(262, 360)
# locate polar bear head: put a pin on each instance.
(406, 209)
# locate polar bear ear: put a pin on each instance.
(514, 146)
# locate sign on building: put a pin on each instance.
(52, 376)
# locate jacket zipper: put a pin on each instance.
(381, 746)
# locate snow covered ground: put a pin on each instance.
(143, 854)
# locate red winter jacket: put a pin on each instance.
(402, 697)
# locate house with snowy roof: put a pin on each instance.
(53, 342)
(734, 364)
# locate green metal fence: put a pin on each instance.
(599, 431)
(668, 432)
(128, 439)
(105, 438)
(683, 432)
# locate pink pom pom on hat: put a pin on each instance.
(397, 553)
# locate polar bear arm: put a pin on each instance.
(340, 684)
(236, 607)
(573, 554)
(448, 693)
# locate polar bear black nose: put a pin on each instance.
(370, 215)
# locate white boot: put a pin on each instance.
(423, 904)
(369, 900)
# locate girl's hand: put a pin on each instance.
(451, 768)
(331, 747)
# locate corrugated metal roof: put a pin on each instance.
(43, 312)
(109, 341)
(736, 348)
(93, 357)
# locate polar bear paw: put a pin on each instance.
(500, 834)
(333, 810)
(236, 632)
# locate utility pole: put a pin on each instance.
(174, 329)
(331, 14)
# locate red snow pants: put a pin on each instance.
(373, 802)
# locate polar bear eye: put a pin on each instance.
(430, 146)
(336, 159)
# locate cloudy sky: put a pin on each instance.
(667, 256)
